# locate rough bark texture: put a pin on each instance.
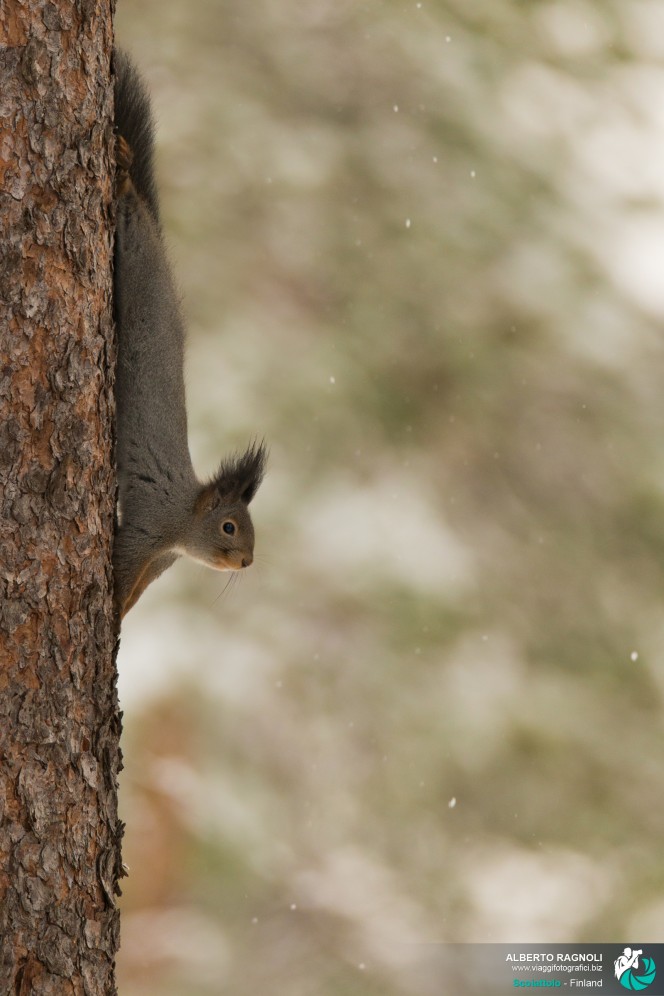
(59, 720)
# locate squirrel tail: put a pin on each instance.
(134, 121)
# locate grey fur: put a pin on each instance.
(165, 511)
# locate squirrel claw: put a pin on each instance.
(124, 158)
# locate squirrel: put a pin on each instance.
(165, 511)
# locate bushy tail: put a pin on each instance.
(133, 120)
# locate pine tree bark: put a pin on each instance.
(59, 720)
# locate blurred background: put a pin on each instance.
(421, 251)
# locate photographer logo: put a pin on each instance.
(630, 974)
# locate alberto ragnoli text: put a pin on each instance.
(558, 957)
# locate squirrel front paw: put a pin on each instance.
(123, 158)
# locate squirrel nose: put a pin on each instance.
(246, 561)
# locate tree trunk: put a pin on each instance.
(59, 720)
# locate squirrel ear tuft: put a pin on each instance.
(239, 477)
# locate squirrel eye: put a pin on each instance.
(228, 527)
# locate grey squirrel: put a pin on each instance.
(164, 510)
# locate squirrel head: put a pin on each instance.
(222, 535)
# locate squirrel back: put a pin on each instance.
(165, 511)
(134, 121)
